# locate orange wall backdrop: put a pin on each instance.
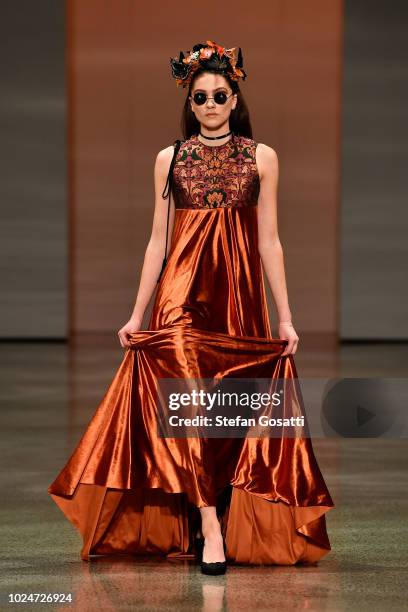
(124, 107)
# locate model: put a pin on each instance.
(250, 500)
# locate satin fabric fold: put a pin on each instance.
(128, 490)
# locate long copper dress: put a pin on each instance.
(128, 490)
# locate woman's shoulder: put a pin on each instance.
(266, 152)
(266, 159)
(163, 160)
(165, 153)
(164, 156)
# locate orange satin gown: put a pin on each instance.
(128, 491)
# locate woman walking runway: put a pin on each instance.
(254, 500)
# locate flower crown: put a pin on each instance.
(210, 56)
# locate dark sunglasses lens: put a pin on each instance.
(220, 97)
(199, 98)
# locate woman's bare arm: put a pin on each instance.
(270, 247)
(154, 253)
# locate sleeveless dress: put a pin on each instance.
(129, 491)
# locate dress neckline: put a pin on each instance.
(224, 144)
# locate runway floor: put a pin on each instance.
(49, 391)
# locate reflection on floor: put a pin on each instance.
(48, 392)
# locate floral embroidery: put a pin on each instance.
(217, 176)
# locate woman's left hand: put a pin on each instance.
(287, 332)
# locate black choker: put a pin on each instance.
(216, 137)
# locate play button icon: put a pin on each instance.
(363, 415)
(357, 408)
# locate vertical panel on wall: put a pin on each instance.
(33, 229)
(304, 50)
(102, 44)
(125, 107)
(374, 263)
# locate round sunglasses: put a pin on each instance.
(220, 97)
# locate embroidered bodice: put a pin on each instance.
(216, 176)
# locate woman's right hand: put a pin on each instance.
(133, 325)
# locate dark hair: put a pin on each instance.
(239, 120)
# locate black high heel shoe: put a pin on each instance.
(215, 568)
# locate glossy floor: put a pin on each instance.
(49, 391)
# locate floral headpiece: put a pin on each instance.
(210, 56)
